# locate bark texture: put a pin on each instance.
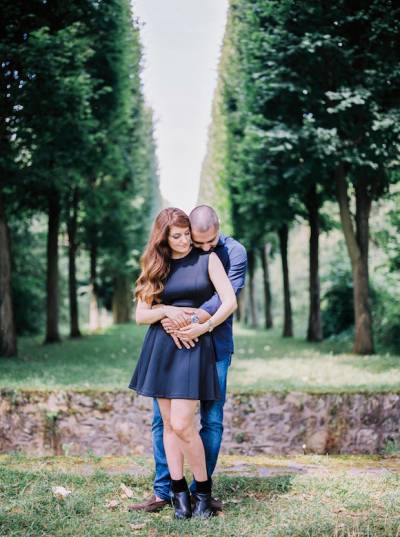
(283, 234)
(314, 330)
(251, 287)
(8, 336)
(94, 308)
(357, 241)
(264, 255)
(72, 249)
(52, 332)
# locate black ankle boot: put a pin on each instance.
(182, 505)
(202, 505)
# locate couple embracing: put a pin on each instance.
(191, 276)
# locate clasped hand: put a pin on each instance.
(178, 324)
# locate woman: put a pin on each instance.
(176, 276)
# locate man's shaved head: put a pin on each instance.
(203, 218)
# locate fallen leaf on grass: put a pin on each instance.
(112, 504)
(126, 491)
(60, 492)
(137, 527)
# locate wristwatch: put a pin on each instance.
(194, 318)
(210, 325)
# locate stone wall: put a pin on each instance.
(119, 423)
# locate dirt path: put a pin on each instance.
(257, 466)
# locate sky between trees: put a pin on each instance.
(181, 40)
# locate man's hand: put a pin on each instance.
(187, 343)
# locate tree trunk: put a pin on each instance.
(252, 303)
(8, 336)
(94, 310)
(283, 234)
(362, 303)
(314, 331)
(240, 312)
(52, 333)
(72, 248)
(264, 253)
(357, 242)
(122, 300)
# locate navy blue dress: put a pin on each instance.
(165, 371)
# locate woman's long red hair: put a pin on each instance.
(155, 261)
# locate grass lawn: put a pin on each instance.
(329, 497)
(263, 361)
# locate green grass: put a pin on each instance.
(330, 501)
(263, 361)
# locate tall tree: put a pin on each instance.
(314, 330)
(214, 179)
(59, 89)
(8, 338)
(10, 36)
(264, 256)
(308, 95)
(355, 116)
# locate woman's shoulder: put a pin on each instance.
(200, 258)
(214, 260)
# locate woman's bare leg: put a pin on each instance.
(172, 446)
(182, 413)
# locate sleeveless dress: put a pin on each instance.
(165, 371)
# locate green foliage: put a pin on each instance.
(214, 180)
(338, 302)
(388, 236)
(308, 90)
(122, 193)
(73, 120)
(387, 324)
(338, 309)
(56, 128)
(27, 282)
(302, 94)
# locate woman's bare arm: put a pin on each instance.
(146, 314)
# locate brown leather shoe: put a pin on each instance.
(150, 505)
(216, 505)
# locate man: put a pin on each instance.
(206, 236)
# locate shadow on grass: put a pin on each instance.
(226, 487)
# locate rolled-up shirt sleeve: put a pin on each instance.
(236, 274)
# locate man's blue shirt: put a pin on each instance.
(234, 259)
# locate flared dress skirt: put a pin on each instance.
(164, 371)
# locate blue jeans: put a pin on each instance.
(211, 418)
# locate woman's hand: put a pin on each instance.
(192, 331)
(176, 315)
